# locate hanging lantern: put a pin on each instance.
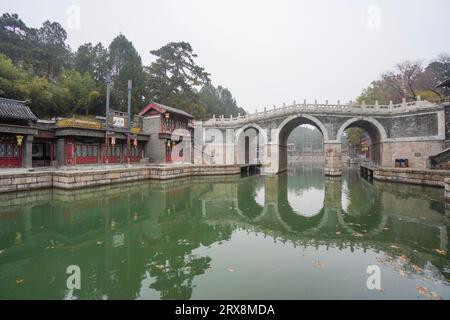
(167, 115)
(168, 143)
(113, 141)
(19, 140)
(135, 142)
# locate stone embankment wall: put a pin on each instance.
(414, 176)
(75, 179)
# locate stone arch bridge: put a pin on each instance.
(410, 130)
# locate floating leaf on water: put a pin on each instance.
(159, 266)
(394, 246)
(417, 268)
(20, 281)
(435, 295)
(441, 252)
(338, 232)
(422, 218)
(99, 242)
(422, 290)
(2, 251)
(385, 228)
(231, 269)
(402, 273)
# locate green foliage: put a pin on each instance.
(174, 78)
(219, 101)
(38, 65)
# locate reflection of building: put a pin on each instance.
(171, 131)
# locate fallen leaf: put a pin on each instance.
(159, 266)
(422, 290)
(404, 258)
(99, 242)
(231, 269)
(338, 232)
(394, 247)
(417, 268)
(403, 273)
(435, 295)
(20, 281)
(358, 235)
(1, 251)
(442, 252)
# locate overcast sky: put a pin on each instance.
(265, 52)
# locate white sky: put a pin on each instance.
(265, 52)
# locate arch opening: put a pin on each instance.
(300, 140)
(361, 141)
(250, 142)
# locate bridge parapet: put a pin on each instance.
(349, 108)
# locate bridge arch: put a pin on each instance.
(373, 127)
(292, 122)
(249, 146)
(284, 130)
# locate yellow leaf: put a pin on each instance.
(441, 252)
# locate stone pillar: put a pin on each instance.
(333, 159)
(60, 152)
(27, 152)
(198, 142)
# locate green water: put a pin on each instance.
(293, 236)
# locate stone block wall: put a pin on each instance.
(333, 159)
(101, 177)
(414, 176)
(25, 181)
(417, 152)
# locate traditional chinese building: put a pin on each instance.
(16, 134)
(26, 141)
(171, 133)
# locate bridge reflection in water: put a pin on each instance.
(155, 239)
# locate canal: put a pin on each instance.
(297, 235)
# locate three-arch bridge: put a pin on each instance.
(410, 130)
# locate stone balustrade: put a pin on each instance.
(347, 108)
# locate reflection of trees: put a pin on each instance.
(115, 239)
(125, 237)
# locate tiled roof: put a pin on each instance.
(166, 108)
(445, 83)
(14, 109)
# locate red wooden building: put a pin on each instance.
(171, 133)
